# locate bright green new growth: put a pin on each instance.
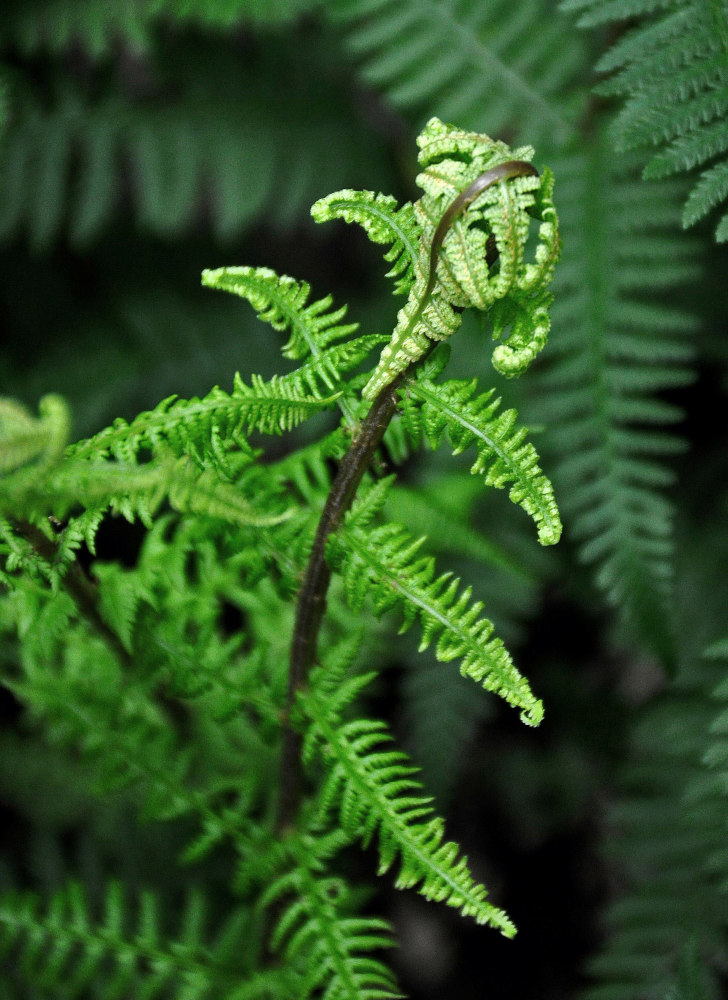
(516, 289)
(225, 529)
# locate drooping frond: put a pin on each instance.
(283, 303)
(457, 268)
(327, 949)
(64, 949)
(619, 346)
(504, 457)
(486, 65)
(673, 71)
(372, 789)
(382, 564)
(383, 222)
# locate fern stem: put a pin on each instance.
(312, 596)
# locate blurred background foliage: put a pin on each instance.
(144, 140)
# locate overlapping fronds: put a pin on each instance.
(504, 457)
(383, 565)
(373, 790)
(481, 64)
(25, 438)
(672, 68)
(63, 948)
(618, 348)
(327, 949)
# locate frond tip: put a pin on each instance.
(383, 564)
(373, 790)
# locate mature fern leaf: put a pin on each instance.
(503, 457)
(488, 66)
(673, 71)
(661, 840)
(64, 951)
(617, 349)
(372, 789)
(326, 948)
(382, 564)
(71, 151)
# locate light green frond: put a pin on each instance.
(482, 258)
(383, 565)
(327, 950)
(25, 438)
(283, 303)
(503, 456)
(672, 70)
(383, 222)
(372, 789)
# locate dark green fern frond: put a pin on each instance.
(372, 789)
(673, 71)
(503, 456)
(618, 347)
(383, 564)
(327, 950)
(64, 950)
(486, 65)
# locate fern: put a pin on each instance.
(617, 349)
(384, 565)
(673, 71)
(464, 61)
(65, 949)
(373, 790)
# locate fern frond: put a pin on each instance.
(673, 71)
(328, 949)
(503, 456)
(480, 65)
(457, 274)
(283, 303)
(24, 438)
(382, 564)
(373, 790)
(384, 222)
(618, 348)
(64, 950)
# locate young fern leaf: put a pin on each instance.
(496, 192)
(283, 303)
(673, 71)
(373, 790)
(383, 222)
(383, 564)
(503, 456)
